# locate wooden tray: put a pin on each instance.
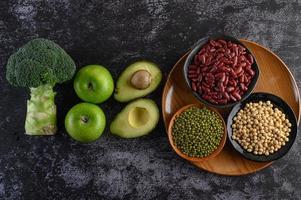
(274, 78)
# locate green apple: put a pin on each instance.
(85, 122)
(93, 83)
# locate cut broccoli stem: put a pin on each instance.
(41, 111)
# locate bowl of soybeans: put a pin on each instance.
(262, 128)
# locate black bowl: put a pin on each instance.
(197, 47)
(278, 103)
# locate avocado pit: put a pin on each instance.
(141, 79)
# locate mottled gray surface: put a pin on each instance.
(114, 33)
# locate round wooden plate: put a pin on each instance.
(274, 78)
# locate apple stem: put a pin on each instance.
(90, 86)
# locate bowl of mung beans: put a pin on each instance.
(197, 133)
(262, 128)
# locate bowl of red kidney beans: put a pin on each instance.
(221, 71)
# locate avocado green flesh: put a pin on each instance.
(138, 118)
(125, 91)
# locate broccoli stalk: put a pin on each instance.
(41, 111)
(39, 65)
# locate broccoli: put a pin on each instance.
(39, 65)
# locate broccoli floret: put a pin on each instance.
(39, 62)
(39, 65)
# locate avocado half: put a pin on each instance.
(138, 118)
(125, 91)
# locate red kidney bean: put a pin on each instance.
(223, 78)
(230, 89)
(219, 96)
(213, 69)
(238, 70)
(192, 67)
(205, 89)
(226, 95)
(192, 71)
(225, 69)
(213, 43)
(236, 89)
(222, 101)
(236, 95)
(200, 78)
(220, 65)
(230, 44)
(245, 78)
(220, 55)
(204, 69)
(221, 50)
(196, 60)
(236, 50)
(199, 87)
(218, 75)
(193, 86)
(210, 76)
(210, 82)
(222, 42)
(235, 61)
(216, 89)
(230, 82)
(250, 71)
(250, 58)
(226, 81)
(212, 101)
(232, 97)
(205, 96)
(215, 62)
(228, 61)
(240, 58)
(242, 79)
(228, 51)
(213, 93)
(234, 83)
(209, 62)
(193, 75)
(241, 48)
(240, 73)
(232, 73)
(248, 67)
(208, 98)
(203, 59)
(212, 50)
(221, 87)
(205, 84)
(242, 64)
(243, 87)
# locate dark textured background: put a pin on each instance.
(114, 33)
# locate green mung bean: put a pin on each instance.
(197, 132)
